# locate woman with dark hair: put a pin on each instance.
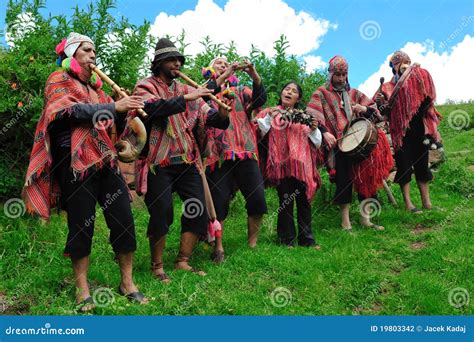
(291, 163)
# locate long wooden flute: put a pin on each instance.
(196, 85)
(115, 87)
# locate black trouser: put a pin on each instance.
(413, 155)
(186, 181)
(79, 198)
(289, 190)
(246, 174)
(344, 182)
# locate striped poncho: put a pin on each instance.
(91, 147)
(367, 175)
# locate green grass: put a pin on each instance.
(367, 272)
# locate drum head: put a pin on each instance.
(354, 136)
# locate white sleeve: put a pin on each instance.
(315, 137)
(265, 124)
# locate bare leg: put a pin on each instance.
(425, 194)
(345, 219)
(365, 221)
(254, 223)
(126, 269)
(188, 241)
(80, 268)
(157, 248)
(406, 196)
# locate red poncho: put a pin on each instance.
(239, 140)
(367, 175)
(291, 154)
(91, 146)
(184, 138)
(414, 88)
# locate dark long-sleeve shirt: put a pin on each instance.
(60, 130)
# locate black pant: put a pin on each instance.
(344, 182)
(246, 174)
(186, 181)
(413, 155)
(79, 198)
(289, 190)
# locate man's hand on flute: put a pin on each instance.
(197, 93)
(224, 113)
(129, 103)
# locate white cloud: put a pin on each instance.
(314, 63)
(246, 22)
(23, 25)
(452, 71)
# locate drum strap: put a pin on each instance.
(347, 105)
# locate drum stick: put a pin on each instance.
(344, 136)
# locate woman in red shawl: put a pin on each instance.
(73, 165)
(291, 165)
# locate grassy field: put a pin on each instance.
(420, 264)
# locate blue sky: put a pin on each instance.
(400, 22)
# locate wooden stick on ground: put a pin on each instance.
(390, 196)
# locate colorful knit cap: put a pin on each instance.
(338, 64)
(69, 45)
(398, 58)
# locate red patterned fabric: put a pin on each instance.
(176, 143)
(239, 140)
(405, 98)
(291, 154)
(180, 145)
(91, 146)
(368, 175)
(325, 104)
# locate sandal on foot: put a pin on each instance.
(184, 258)
(162, 276)
(375, 226)
(218, 257)
(134, 297)
(415, 210)
(86, 305)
